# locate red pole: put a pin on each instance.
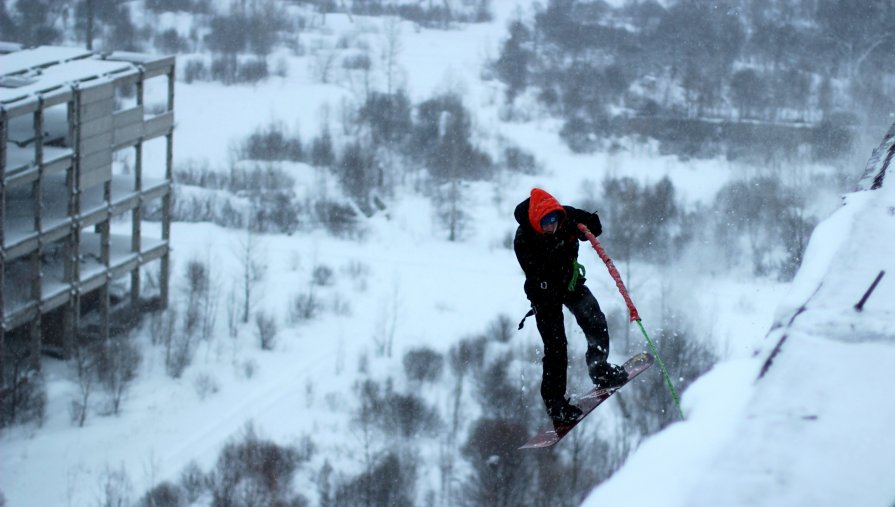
(612, 271)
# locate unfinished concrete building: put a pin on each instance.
(75, 185)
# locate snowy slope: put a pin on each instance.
(816, 428)
(429, 292)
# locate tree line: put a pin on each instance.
(821, 64)
(383, 143)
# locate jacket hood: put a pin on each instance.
(540, 204)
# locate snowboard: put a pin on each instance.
(553, 432)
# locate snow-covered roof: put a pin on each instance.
(43, 56)
(27, 75)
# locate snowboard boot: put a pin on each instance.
(607, 375)
(563, 412)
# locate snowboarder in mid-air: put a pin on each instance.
(546, 246)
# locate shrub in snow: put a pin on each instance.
(273, 143)
(389, 481)
(165, 494)
(170, 42)
(266, 330)
(179, 354)
(423, 365)
(498, 468)
(501, 329)
(322, 151)
(519, 160)
(764, 220)
(442, 139)
(340, 306)
(117, 367)
(686, 359)
(451, 202)
(388, 118)
(405, 415)
(252, 71)
(249, 368)
(322, 275)
(194, 6)
(85, 359)
(356, 270)
(304, 306)
(468, 355)
(660, 218)
(254, 471)
(192, 482)
(228, 69)
(206, 385)
(500, 396)
(338, 218)
(357, 170)
(115, 487)
(195, 70)
(24, 397)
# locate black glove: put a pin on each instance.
(597, 228)
(592, 222)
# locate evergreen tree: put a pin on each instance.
(442, 138)
(512, 65)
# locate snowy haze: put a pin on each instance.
(812, 428)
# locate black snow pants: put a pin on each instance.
(549, 317)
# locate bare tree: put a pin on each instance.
(451, 203)
(248, 252)
(162, 326)
(23, 396)
(202, 292)
(119, 360)
(192, 482)
(464, 357)
(304, 306)
(389, 483)
(391, 50)
(233, 310)
(423, 365)
(84, 356)
(322, 64)
(197, 282)
(115, 487)
(358, 71)
(179, 353)
(166, 494)
(388, 326)
(497, 467)
(163, 329)
(686, 358)
(256, 471)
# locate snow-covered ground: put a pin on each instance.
(808, 420)
(815, 430)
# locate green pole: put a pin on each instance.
(677, 400)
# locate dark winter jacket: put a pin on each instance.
(550, 261)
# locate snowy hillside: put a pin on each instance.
(808, 420)
(813, 429)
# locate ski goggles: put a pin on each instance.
(551, 218)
